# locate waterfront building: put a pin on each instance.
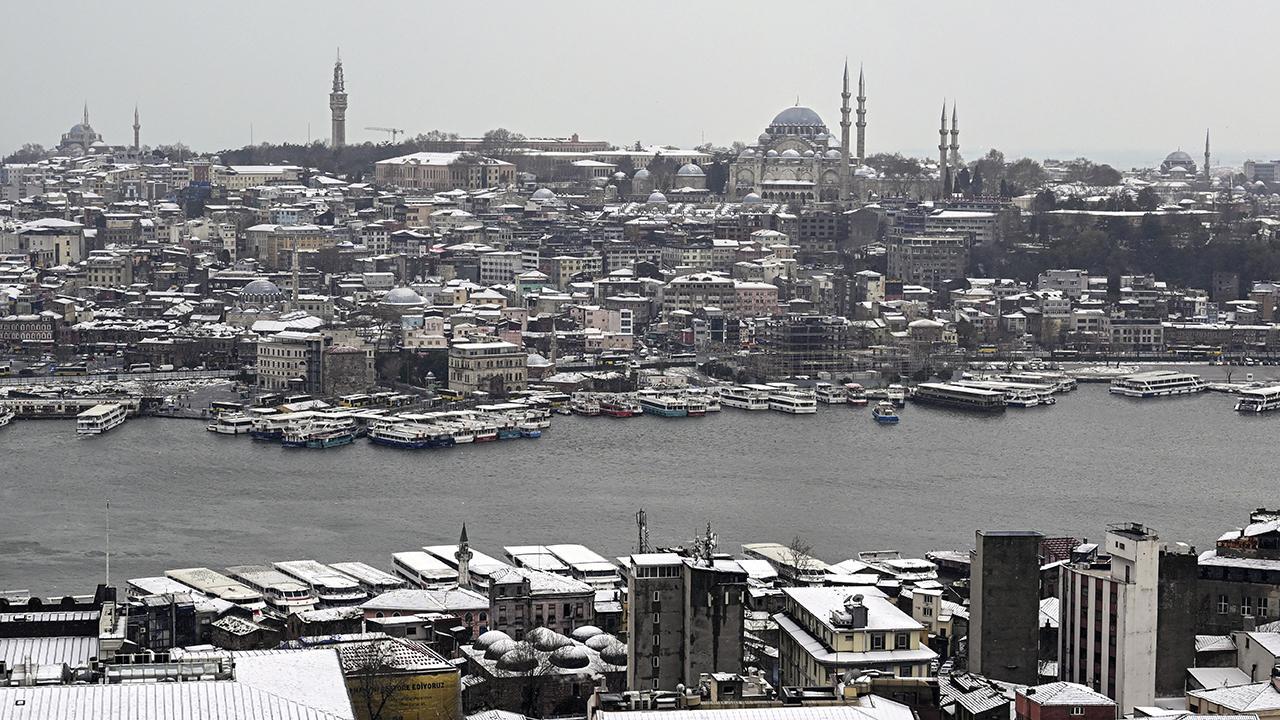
(292, 360)
(1004, 611)
(469, 607)
(825, 632)
(684, 617)
(495, 367)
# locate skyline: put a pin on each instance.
(673, 86)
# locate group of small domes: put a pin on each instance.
(569, 653)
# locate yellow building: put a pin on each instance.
(825, 631)
(397, 678)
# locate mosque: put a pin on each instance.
(83, 140)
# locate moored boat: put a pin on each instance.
(231, 424)
(885, 413)
(7, 415)
(662, 404)
(829, 394)
(855, 395)
(1259, 400)
(1158, 383)
(619, 408)
(320, 434)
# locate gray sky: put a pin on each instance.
(1122, 81)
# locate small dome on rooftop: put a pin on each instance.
(499, 648)
(656, 198)
(690, 170)
(521, 658)
(584, 632)
(600, 641)
(543, 194)
(402, 296)
(486, 639)
(260, 287)
(751, 199)
(790, 153)
(570, 657)
(615, 654)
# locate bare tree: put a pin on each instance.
(799, 554)
(377, 680)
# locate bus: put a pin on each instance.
(217, 407)
(140, 368)
(6, 370)
(68, 370)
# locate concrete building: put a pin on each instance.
(500, 267)
(699, 290)
(927, 260)
(522, 598)
(444, 171)
(824, 632)
(1004, 613)
(684, 618)
(292, 360)
(1240, 577)
(493, 367)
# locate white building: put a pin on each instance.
(487, 366)
(500, 267)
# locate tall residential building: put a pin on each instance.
(338, 107)
(1004, 614)
(684, 618)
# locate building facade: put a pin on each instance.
(1004, 613)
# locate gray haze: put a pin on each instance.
(1123, 82)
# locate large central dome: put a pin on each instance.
(798, 116)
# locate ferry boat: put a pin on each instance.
(509, 430)
(100, 418)
(662, 405)
(529, 430)
(793, 400)
(273, 427)
(896, 394)
(619, 408)
(1259, 400)
(586, 406)
(710, 397)
(320, 434)
(855, 395)
(746, 397)
(6, 415)
(1158, 383)
(1059, 382)
(829, 394)
(411, 436)
(231, 424)
(486, 432)
(1020, 395)
(695, 406)
(960, 397)
(885, 413)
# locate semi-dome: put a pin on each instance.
(543, 194)
(521, 658)
(486, 639)
(615, 654)
(402, 296)
(751, 199)
(748, 153)
(641, 174)
(260, 288)
(790, 153)
(583, 633)
(499, 648)
(832, 154)
(808, 153)
(690, 170)
(797, 116)
(656, 198)
(600, 642)
(570, 657)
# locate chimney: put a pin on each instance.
(857, 611)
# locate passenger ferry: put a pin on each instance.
(331, 587)
(1259, 400)
(586, 406)
(1021, 395)
(960, 397)
(272, 427)
(885, 413)
(855, 395)
(793, 400)
(320, 434)
(215, 584)
(371, 579)
(100, 418)
(1059, 382)
(709, 396)
(1159, 383)
(695, 406)
(529, 430)
(897, 394)
(619, 408)
(409, 436)
(829, 394)
(6, 415)
(281, 592)
(746, 397)
(423, 570)
(662, 405)
(231, 423)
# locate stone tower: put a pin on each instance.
(844, 134)
(862, 118)
(463, 556)
(137, 127)
(944, 171)
(338, 107)
(955, 137)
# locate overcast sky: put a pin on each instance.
(1121, 81)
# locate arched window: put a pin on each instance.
(467, 617)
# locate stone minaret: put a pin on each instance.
(137, 127)
(955, 137)
(338, 107)
(862, 118)
(464, 559)
(944, 171)
(844, 134)
(85, 121)
(1208, 179)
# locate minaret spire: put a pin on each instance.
(862, 118)
(464, 559)
(844, 134)
(136, 128)
(955, 137)
(1208, 179)
(944, 171)
(338, 106)
(85, 121)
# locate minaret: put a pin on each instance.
(955, 137)
(338, 107)
(136, 128)
(1208, 179)
(862, 118)
(844, 135)
(464, 559)
(944, 171)
(85, 121)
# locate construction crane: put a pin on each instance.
(393, 132)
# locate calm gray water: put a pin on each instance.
(180, 496)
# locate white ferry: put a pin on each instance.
(710, 397)
(1259, 400)
(896, 394)
(829, 394)
(6, 415)
(231, 424)
(746, 397)
(585, 405)
(320, 434)
(406, 435)
(1021, 395)
(1159, 383)
(959, 397)
(792, 400)
(855, 394)
(272, 427)
(662, 405)
(1059, 382)
(695, 406)
(281, 592)
(100, 418)
(331, 587)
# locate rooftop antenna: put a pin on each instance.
(642, 526)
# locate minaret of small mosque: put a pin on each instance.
(944, 171)
(845, 124)
(1207, 177)
(338, 106)
(955, 137)
(464, 559)
(862, 118)
(137, 128)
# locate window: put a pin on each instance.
(877, 641)
(655, 683)
(1223, 604)
(1077, 710)
(657, 618)
(927, 612)
(653, 661)
(1264, 606)
(1246, 605)
(901, 640)
(655, 640)
(657, 597)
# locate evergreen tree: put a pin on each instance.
(975, 185)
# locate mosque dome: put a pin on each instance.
(690, 170)
(543, 194)
(259, 288)
(499, 648)
(808, 153)
(486, 639)
(656, 198)
(600, 642)
(402, 296)
(865, 171)
(831, 154)
(570, 657)
(751, 199)
(520, 658)
(583, 633)
(924, 323)
(797, 116)
(1178, 157)
(641, 174)
(790, 153)
(619, 175)
(771, 153)
(748, 153)
(546, 639)
(615, 654)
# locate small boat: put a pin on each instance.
(829, 394)
(6, 415)
(695, 406)
(410, 436)
(320, 434)
(619, 408)
(662, 404)
(897, 394)
(100, 418)
(530, 431)
(885, 413)
(855, 395)
(231, 424)
(586, 406)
